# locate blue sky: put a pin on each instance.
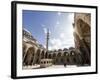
(58, 23)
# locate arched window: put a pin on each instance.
(65, 53)
(59, 55)
(72, 53)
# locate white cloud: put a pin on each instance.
(44, 46)
(55, 43)
(71, 17)
(62, 35)
(63, 41)
(45, 30)
(49, 32)
(58, 23)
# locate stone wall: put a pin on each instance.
(82, 35)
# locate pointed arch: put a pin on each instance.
(38, 56)
(29, 56)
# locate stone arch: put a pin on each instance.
(54, 58)
(77, 40)
(74, 60)
(24, 49)
(83, 25)
(59, 54)
(42, 54)
(49, 56)
(79, 60)
(72, 53)
(59, 58)
(65, 54)
(83, 28)
(54, 55)
(38, 56)
(29, 57)
(64, 57)
(73, 57)
(46, 54)
(67, 60)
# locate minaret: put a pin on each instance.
(47, 39)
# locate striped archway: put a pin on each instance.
(38, 55)
(29, 57)
(42, 54)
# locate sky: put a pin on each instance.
(59, 25)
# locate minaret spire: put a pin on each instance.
(47, 39)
